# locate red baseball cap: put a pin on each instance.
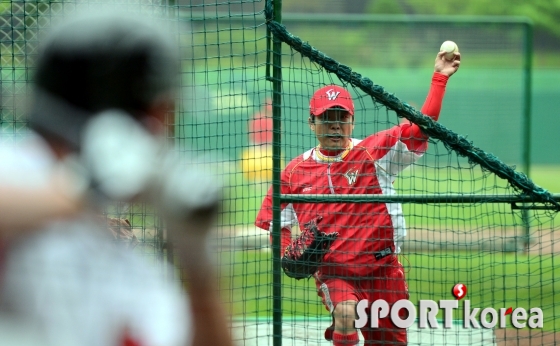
(329, 97)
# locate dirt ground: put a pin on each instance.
(545, 241)
(540, 241)
(511, 337)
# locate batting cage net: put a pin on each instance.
(475, 236)
(22, 25)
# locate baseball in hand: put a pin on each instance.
(450, 48)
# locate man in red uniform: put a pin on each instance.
(362, 263)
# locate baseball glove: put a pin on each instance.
(302, 257)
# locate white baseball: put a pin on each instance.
(450, 48)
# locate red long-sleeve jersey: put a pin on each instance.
(368, 232)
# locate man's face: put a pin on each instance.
(333, 129)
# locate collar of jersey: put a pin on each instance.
(325, 158)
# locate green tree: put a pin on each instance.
(543, 13)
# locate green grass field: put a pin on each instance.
(497, 280)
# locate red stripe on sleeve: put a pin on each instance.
(411, 134)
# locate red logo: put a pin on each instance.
(459, 291)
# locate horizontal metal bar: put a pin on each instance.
(432, 198)
(514, 206)
(359, 18)
(403, 18)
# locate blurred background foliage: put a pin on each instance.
(543, 13)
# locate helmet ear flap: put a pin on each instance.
(83, 61)
(54, 118)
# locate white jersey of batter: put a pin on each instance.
(72, 285)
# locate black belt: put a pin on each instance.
(383, 253)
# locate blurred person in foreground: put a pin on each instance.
(103, 86)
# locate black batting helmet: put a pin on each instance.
(99, 61)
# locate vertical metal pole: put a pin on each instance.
(276, 154)
(268, 49)
(528, 68)
(166, 246)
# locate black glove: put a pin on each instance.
(302, 257)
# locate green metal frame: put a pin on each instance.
(276, 170)
(433, 198)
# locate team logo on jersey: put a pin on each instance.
(351, 176)
(307, 188)
(332, 95)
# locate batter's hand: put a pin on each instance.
(447, 67)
